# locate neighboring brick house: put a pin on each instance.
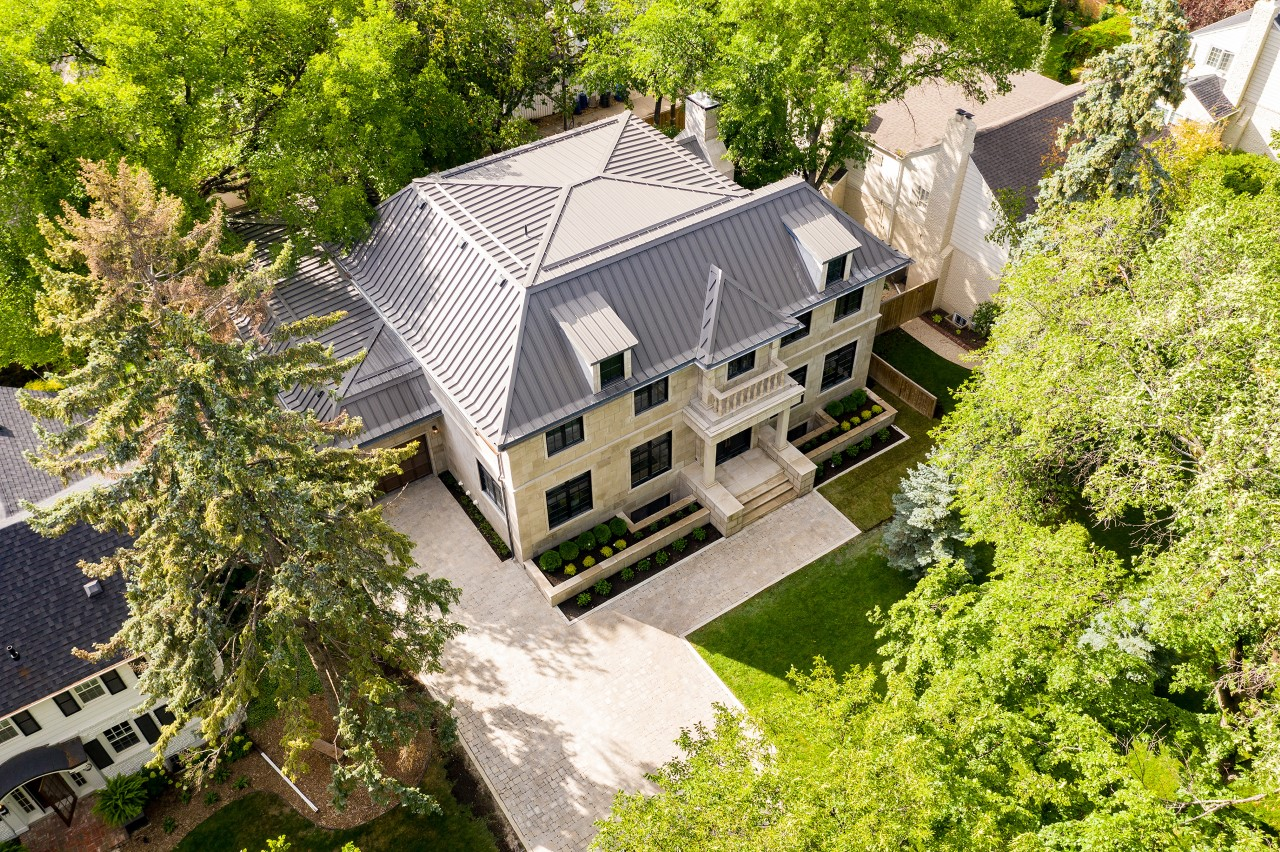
(939, 162)
(594, 322)
(65, 724)
(1234, 80)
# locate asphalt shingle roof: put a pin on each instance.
(18, 479)
(45, 613)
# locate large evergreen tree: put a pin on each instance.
(257, 551)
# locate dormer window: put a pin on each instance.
(613, 369)
(836, 268)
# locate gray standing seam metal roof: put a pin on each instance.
(45, 613)
(481, 309)
(1208, 91)
(387, 390)
(18, 479)
(1015, 154)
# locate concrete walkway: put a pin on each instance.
(561, 716)
(940, 344)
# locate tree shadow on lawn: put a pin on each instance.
(820, 610)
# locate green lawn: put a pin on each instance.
(933, 372)
(865, 493)
(248, 823)
(819, 610)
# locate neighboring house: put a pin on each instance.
(1234, 80)
(939, 162)
(599, 320)
(65, 724)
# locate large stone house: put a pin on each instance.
(1234, 79)
(940, 163)
(597, 323)
(66, 725)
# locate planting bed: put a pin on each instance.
(572, 609)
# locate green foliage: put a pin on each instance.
(583, 599)
(984, 317)
(617, 527)
(1088, 42)
(568, 551)
(550, 561)
(122, 799)
(699, 534)
(602, 587)
(586, 541)
(238, 532)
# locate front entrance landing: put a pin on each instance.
(559, 716)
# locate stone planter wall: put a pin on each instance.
(584, 580)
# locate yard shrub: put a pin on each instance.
(583, 599)
(603, 587)
(618, 526)
(569, 551)
(662, 557)
(627, 574)
(620, 544)
(835, 409)
(700, 534)
(588, 561)
(601, 533)
(679, 545)
(571, 569)
(550, 561)
(644, 564)
(606, 551)
(121, 800)
(586, 541)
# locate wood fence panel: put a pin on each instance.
(897, 383)
(897, 309)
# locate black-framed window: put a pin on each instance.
(489, 486)
(835, 269)
(742, 364)
(569, 500)
(849, 303)
(801, 377)
(66, 703)
(838, 366)
(805, 319)
(612, 369)
(113, 681)
(121, 737)
(565, 435)
(25, 722)
(650, 459)
(654, 393)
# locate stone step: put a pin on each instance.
(769, 485)
(758, 511)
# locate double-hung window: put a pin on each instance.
(654, 393)
(564, 436)
(567, 501)
(742, 364)
(805, 320)
(849, 304)
(650, 459)
(838, 366)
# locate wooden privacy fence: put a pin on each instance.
(896, 382)
(897, 309)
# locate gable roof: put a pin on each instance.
(45, 613)
(475, 267)
(18, 479)
(1014, 155)
(1208, 91)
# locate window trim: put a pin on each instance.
(622, 370)
(736, 364)
(560, 430)
(127, 731)
(568, 487)
(836, 316)
(488, 481)
(648, 390)
(838, 353)
(806, 321)
(650, 471)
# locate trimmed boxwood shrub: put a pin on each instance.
(583, 599)
(569, 551)
(586, 541)
(550, 561)
(603, 587)
(618, 527)
(601, 534)
(835, 409)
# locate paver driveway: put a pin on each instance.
(561, 716)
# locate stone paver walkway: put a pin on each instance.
(939, 343)
(561, 716)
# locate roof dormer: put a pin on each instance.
(599, 338)
(825, 244)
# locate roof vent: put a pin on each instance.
(93, 588)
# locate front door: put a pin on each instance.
(733, 446)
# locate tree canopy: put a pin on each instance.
(257, 551)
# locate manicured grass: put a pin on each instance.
(865, 494)
(820, 610)
(931, 371)
(248, 823)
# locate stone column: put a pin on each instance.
(784, 422)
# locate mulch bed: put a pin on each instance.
(571, 609)
(851, 456)
(965, 337)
